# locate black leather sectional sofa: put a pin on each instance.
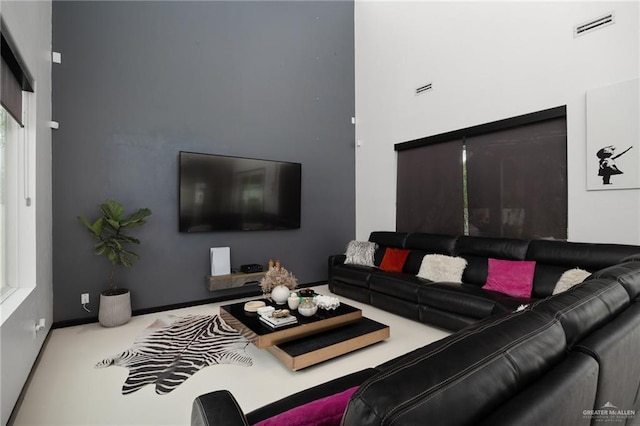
(566, 359)
(451, 305)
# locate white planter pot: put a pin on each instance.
(115, 309)
(280, 294)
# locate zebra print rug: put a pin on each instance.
(172, 349)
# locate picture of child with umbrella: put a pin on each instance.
(608, 166)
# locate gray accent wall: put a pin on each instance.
(141, 81)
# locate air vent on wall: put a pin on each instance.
(424, 88)
(594, 24)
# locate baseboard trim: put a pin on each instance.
(23, 391)
(218, 298)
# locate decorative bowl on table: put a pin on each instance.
(253, 306)
(308, 307)
(306, 292)
(327, 302)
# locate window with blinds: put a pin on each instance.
(16, 226)
(429, 189)
(502, 179)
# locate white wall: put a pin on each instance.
(29, 23)
(487, 61)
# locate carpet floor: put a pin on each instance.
(67, 389)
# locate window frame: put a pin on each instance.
(19, 259)
(20, 244)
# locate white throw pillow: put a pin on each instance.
(438, 267)
(569, 279)
(360, 253)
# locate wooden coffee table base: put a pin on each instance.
(310, 350)
(325, 335)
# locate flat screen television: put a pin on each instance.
(221, 193)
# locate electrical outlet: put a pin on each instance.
(84, 298)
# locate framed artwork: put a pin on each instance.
(613, 136)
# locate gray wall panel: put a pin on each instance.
(140, 81)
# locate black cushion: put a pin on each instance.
(388, 238)
(498, 248)
(424, 244)
(404, 308)
(615, 346)
(413, 262)
(464, 299)
(444, 319)
(467, 378)
(431, 243)
(360, 294)
(402, 286)
(627, 274)
(633, 257)
(545, 279)
(356, 275)
(585, 307)
(378, 255)
(558, 398)
(578, 255)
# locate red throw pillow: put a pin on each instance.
(325, 411)
(512, 277)
(394, 259)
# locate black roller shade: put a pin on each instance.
(502, 179)
(429, 189)
(14, 78)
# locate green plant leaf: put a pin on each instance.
(112, 210)
(85, 222)
(139, 215)
(130, 253)
(129, 239)
(98, 227)
(136, 219)
(129, 225)
(99, 248)
(115, 244)
(113, 223)
(95, 228)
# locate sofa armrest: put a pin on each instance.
(218, 408)
(334, 260)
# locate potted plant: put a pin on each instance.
(110, 229)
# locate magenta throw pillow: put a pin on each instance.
(325, 411)
(512, 277)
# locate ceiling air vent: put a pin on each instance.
(594, 24)
(424, 88)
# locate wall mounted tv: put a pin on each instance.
(220, 193)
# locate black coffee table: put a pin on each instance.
(326, 335)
